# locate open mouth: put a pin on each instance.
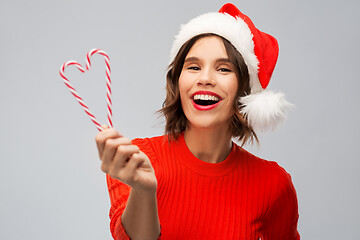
(205, 100)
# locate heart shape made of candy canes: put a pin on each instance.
(108, 85)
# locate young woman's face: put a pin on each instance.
(208, 84)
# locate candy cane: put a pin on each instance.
(108, 85)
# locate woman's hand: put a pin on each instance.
(123, 161)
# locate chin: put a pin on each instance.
(206, 122)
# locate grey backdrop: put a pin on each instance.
(51, 185)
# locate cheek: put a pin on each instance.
(234, 86)
(234, 89)
(231, 87)
(184, 85)
(182, 90)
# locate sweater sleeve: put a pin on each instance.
(119, 194)
(281, 219)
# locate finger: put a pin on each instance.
(129, 172)
(111, 146)
(102, 136)
(122, 155)
(135, 161)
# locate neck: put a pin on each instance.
(211, 146)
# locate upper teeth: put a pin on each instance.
(205, 97)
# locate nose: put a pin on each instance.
(206, 78)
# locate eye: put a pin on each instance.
(194, 68)
(224, 69)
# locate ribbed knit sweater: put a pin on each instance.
(243, 197)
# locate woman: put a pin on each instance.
(194, 182)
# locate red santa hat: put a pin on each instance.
(263, 109)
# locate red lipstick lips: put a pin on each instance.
(205, 107)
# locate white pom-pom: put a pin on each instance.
(265, 110)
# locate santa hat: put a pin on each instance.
(263, 109)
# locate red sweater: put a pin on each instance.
(243, 197)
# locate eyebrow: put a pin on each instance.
(194, 59)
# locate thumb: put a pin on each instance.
(105, 126)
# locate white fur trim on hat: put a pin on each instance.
(265, 111)
(234, 30)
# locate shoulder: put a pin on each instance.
(280, 184)
(151, 144)
(268, 168)
(153, 147)
(152, 141)
(270, 173)
(275, 186)
(274, 180)
(280, 177)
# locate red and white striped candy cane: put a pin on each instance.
(108, 85)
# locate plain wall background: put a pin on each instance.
(51, 185)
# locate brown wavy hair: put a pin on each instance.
(176, 121)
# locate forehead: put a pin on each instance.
(208, 48)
